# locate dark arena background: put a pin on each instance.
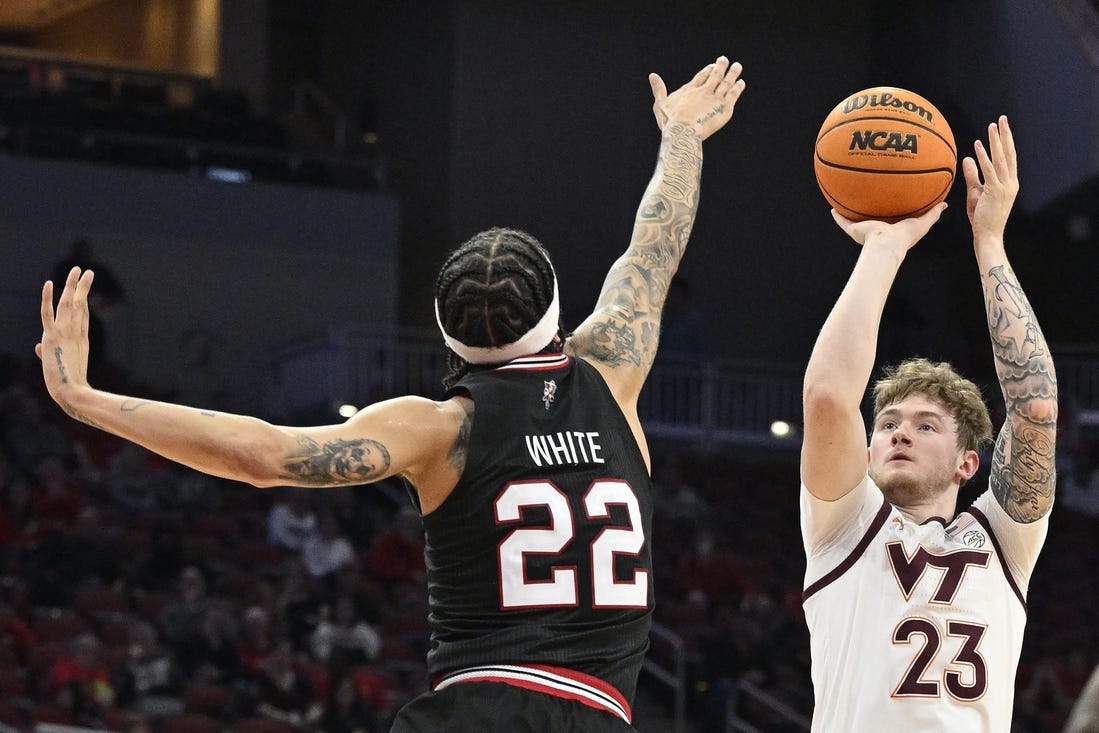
(266, 189)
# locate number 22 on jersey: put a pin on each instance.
(561, 590)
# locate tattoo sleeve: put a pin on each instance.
(1023, 475)
(627, 329)
(337, 462)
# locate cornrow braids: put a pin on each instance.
(491, 290)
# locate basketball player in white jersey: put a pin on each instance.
(916, 612)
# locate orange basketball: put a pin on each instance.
(885, 153)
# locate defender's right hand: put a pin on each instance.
(706, 102)
(64, 345)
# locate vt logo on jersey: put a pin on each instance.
(909, 570)
(549, 389)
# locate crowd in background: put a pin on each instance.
(136, 595)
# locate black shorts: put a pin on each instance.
(498, 707)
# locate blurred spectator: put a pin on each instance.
(80, 680)
(398, 552)
(180, 620)
(714, 571)
(29, 433)
(677, 500)
(18, 525)
(130, 483)
(255, 641)
(161, 566)
(291, 521)
(53, 497)
(297, 603)
(327, 549)
(1057, 680)
(66, 557)
(213, 658)
(284, 692)
(348, 711)
(148, 680)
(345, 640)
(15, 632)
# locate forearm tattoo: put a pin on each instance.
(1023, 474)
(337, 462)
(637, 285)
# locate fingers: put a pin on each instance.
(717, 73)
(47, 305)
(969, 171)
(842, 220)
(75, 295)
(68, 292)
(660, 90)
(997, 164)
(703, 74)
(932, 215)
(1008, 141)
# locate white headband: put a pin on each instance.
(531, 342)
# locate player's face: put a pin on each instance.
(914, 453)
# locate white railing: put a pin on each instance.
(709, 403)
(669, 666)
(706, 402)
(745, 689)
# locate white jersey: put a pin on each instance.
(914, 627)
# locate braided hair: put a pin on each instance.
(492, 290)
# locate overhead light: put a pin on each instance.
(347, 410)
(229, 175)
(781, 429)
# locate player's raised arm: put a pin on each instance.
(833, 455)
(396, 437)
(620, 337)
(1022, 474)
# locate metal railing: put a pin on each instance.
(746, 689)
(706, 402)
(669, 667)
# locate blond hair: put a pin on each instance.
(940, 382)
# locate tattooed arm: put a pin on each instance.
(408, 436)
(620, 336)
(1022, 472)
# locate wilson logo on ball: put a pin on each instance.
(885, 99)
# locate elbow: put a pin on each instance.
(260, 463)
(819, 396)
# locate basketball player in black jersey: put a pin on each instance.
(532, 475)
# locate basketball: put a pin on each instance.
(884, 153)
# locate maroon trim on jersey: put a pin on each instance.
(983, 521)
(843, 567)
(535, 362)
(556, 681)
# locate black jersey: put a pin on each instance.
(541, 554)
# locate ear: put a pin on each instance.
(968, 466)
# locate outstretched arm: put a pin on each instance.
(402, 436)
(833, 454)
(1022, 474)
(620, 336)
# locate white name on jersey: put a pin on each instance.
(565, 448)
